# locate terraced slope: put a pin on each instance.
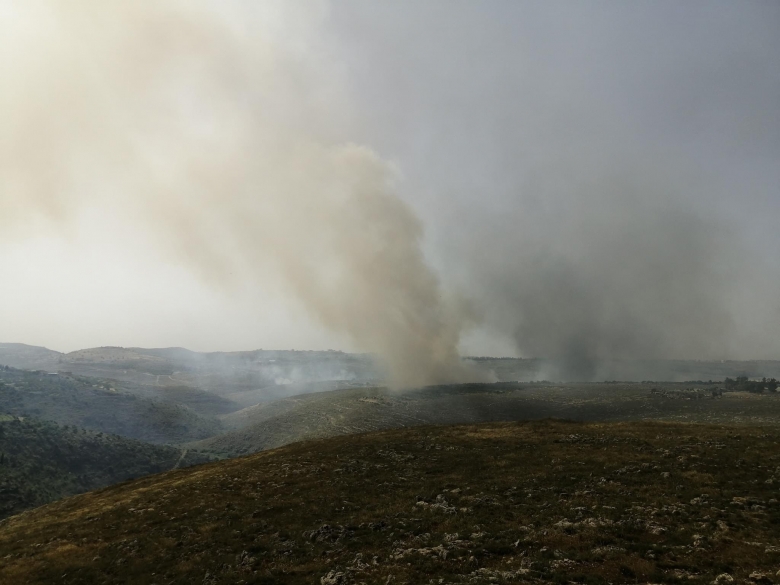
(357, 410)
(41, 461)
(535, 502)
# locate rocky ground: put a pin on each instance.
(542, 501)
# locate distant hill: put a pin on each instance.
(251, 376)
(539, 502)
(254, 376)
(357, 410)
(98, 405)
(629, 370)
(19, 355)
(41, 461)
(223, 373)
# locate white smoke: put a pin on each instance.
(225, 140)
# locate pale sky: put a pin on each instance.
(599, 175)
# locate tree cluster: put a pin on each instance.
(741, 383)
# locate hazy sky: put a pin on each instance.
(587, 178)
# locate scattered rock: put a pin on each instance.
(607, 550)
(494, 575)
(326, 533)
(333, 578)
(440, 504)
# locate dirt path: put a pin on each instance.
(181, 458)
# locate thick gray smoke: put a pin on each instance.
(624, 271)
(610, 171)
(222, 141)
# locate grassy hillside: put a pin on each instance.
(41, 461)
(495, 503)
(273, 392)
(200, 401)
(369, 409)
(98, 405)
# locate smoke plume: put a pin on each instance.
(610, 175)
(225, 141)
(622, 271)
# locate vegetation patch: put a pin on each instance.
(100, 405)
(543, 501)
(41, 461)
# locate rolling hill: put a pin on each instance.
(254, 375)
(261, 375)
(356, 410)
(537, 502)
(29, 357)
